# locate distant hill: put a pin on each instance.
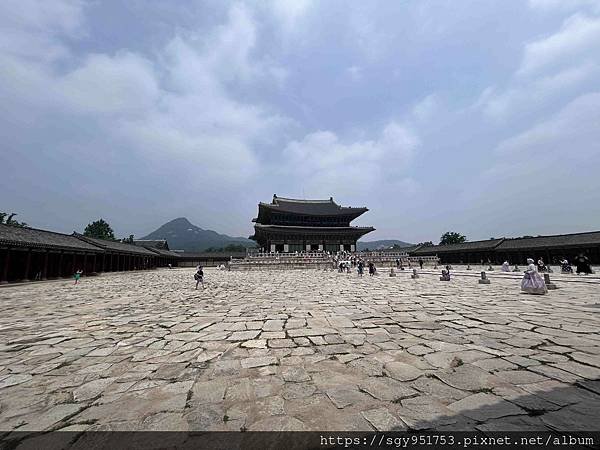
(183, 235)
(379, 245)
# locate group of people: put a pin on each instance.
(346, 266)
(582, 264)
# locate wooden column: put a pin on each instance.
(94, 269)
(60, 265)
(73, 263)
(4, 273)
(27, 266)
(84, 268)
(45, 269)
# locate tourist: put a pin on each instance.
(77, 275)
(565, 267)
(445, 274)
(533, 283)
(541, 266)
(421, 263)
(401, 265)
(505, 266)
(361, 267)
(583, 264)
(199, 277)
(468, 266)
(398, 263)
(372, 269)
(516, 269)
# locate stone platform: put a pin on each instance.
(298, 350)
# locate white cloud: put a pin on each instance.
(553, 70)
(573, 133)
(33, 30)
(579, 35)
(178, 108)
(536, 94)
(542, 180)
(354, 72)
(561, 5)
(323, 163)
(288, 13)
(426, 108)
(123, 84)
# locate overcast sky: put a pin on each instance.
(476, 116)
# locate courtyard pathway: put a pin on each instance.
(297, 350)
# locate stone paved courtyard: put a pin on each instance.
(296, 350)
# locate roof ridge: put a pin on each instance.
(552, 235)
(37, 229)
(299, 200)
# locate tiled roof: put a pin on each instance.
(489, 244)
(311, 207)
(560, 240)
(32, 237)
(116, 245)
(163, 252)
(311, 230)
(152, 243)
(411, 249)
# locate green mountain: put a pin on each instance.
(380, 245)
(183, 235)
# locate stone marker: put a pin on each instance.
(549, 284)
(392, 273)
(414, 275)
(484, 279)
(468, 267)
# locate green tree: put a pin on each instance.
(99, 229)
(128, 240)
(426, 244)
(10, 221)
(452, 237)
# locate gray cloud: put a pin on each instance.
(421, 113)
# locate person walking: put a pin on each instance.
(532, 282)
(421, 263)
(77, 276)
(541, 267)
(583, 264)
(372, 269)
(199, 277)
